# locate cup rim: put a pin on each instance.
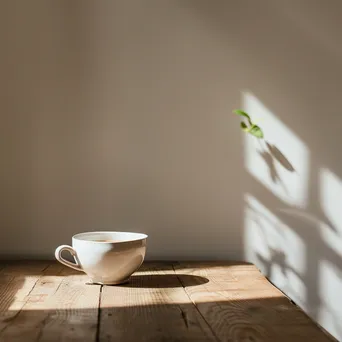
(139, 236)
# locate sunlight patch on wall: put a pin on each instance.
(330, 285)
(280, 161)
(267, 240)
(331, 202)
(330, 274)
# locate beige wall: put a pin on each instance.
(117, 115)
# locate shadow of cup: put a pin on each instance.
(165, 281)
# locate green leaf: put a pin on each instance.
(242, 113)
(256, 131)
(243, 125)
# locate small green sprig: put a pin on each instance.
(251, 128)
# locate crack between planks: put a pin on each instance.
(185, 319)
(194, 304)
(42, 324)
(97, 337)
(40, 276)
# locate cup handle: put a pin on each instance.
(58, 255)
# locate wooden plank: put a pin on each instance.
(16, 282)
(212, 301)
(60, 307)
(152, 307)
(223, 276)
(241, 305)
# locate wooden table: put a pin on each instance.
(206, 301)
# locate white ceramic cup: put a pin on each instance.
(108, 258)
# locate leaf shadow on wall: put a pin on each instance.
(291, 52)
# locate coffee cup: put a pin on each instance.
(108, 258)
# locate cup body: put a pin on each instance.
(107, 257)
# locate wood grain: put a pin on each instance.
(181, 301)
(153, 307)
(17, 279)
(241, 305)
(60, 307)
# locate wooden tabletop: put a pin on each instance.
(206, 301)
